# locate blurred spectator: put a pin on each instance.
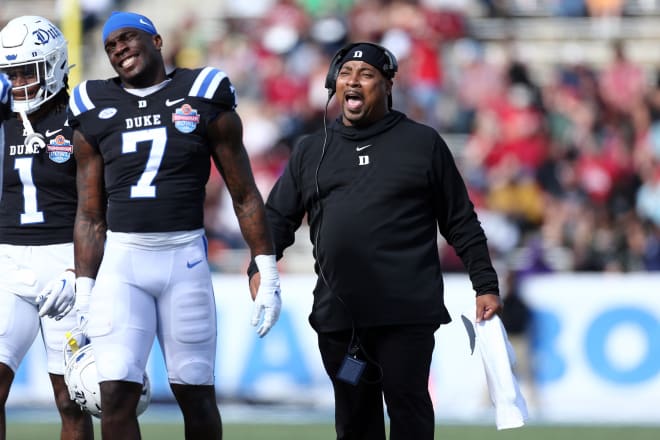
(419, 52)
(571, 102)
(366, 21)
(477, 83)
(288, 13)
(187, 48)
(648, 195)
(622, 83)
(522, 134)
(513, 191)
(651, 247)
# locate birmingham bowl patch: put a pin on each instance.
(185, 118)
(59, 149)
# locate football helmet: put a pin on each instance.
(35, 48)
(81, 379)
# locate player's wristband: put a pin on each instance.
(84, 286)
(267, 265)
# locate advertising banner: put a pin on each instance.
(592, 355)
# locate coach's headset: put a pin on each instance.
(389, 69)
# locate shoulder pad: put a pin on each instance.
(207, 82)
(79, 101)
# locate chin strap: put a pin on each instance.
(36, 140)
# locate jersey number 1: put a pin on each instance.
(30, 212)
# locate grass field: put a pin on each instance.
(169, 431)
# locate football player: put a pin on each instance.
(144, 142)
(37, 210)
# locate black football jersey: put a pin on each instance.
(38, 201)
(155, 149)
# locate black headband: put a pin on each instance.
(372, 55)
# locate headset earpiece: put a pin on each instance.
(331, 79)
(333, 71)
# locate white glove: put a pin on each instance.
(5, 88)
(267, 304)
(84, 287)
(58, 297)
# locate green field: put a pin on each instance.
(151, 431)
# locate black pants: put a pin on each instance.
(398, 363)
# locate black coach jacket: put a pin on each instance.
(375, 199)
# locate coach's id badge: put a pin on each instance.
(351, 370)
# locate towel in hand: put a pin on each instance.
(498, 359)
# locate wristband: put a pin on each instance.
(84, 286)
(267, 265)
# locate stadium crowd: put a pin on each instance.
(564, 170)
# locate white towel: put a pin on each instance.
(498, 359)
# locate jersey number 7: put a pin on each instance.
(158, 138)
